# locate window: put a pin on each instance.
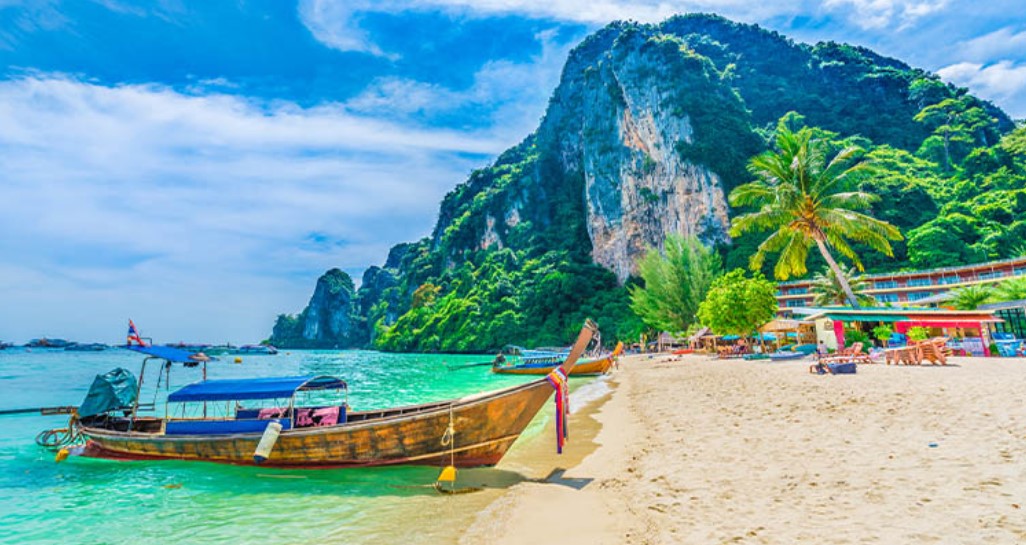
(887, 298)
(798, 291)
(798, 303)
(886, 284)
(917, 295)
(914, 282)
(949, 280)
(991, 274)
(1020, 271)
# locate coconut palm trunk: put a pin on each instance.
(841, 278)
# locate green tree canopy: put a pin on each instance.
(676, 282)
(1013, 289)
(971, 297)
(737, 304)
(828, 290)
(957, 125)
(806, 199)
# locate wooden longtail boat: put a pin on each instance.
(595, 366)
(476, 430)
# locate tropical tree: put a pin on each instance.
(1011, 290)
(971, 297)
(806, 200)
(737, 304)
(956, 123)
(676, 282)
(827, 288)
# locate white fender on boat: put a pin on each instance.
(267, 441)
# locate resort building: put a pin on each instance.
(909, 288)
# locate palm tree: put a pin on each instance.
(971, 297)
(806, 199)
(828, 290)
(1011, 290)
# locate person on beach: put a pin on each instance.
(821, 350)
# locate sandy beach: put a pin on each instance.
(704, 451)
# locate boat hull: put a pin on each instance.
(592, 367)
(486, 426)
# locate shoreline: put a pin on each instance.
(697, 450)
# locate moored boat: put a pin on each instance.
(470, 431)
(544, 365)
(254, 350)
(86, 347)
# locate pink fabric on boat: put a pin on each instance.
(328, 416)
(304, 418)
(273, 412)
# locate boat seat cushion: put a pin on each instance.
(220, 427)
(305, 417)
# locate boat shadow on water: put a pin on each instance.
(400, 481)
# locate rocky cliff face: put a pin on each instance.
(647, 131)
(622, 121)
(332, 318)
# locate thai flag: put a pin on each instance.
(133, 335)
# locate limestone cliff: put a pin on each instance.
(648, 130)
(332, 318)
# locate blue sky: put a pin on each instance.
(196, 165)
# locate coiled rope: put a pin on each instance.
(60, 437)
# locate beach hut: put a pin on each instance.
(791, 331)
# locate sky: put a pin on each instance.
(195, 166)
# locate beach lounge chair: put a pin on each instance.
(852, 354)
(906, 355)
(837, 368)
(934, 350)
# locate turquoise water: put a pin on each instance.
(103, 502)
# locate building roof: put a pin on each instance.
(1021, 303)
(940, 270)
(888, 314)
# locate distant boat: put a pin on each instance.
(48, 343)
(5, 346)
(520, 361)
(255, 350)
(474, 430)
(86, 347)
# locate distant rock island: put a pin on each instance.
(648, 130)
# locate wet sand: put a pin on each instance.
(706, 451)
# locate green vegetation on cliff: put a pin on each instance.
(648, 129)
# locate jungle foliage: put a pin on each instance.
(738, 304)
(510, 258)
(676, 282)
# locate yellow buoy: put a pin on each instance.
(238, 360)
(62, 455)
(448, 475)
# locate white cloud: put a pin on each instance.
(513, 95)
(1003, 82)
(336, 22)
(1000, 43)
(876, 14)
(217, 210)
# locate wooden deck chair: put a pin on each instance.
(847, 354)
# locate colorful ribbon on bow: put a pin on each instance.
(557, 379)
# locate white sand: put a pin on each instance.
(703, 451)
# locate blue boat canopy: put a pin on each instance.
(176, 355)
(253, 388)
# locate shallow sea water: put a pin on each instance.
(86, 501)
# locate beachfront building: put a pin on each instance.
(1012, 315)
(909, 288)
(968, 329)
